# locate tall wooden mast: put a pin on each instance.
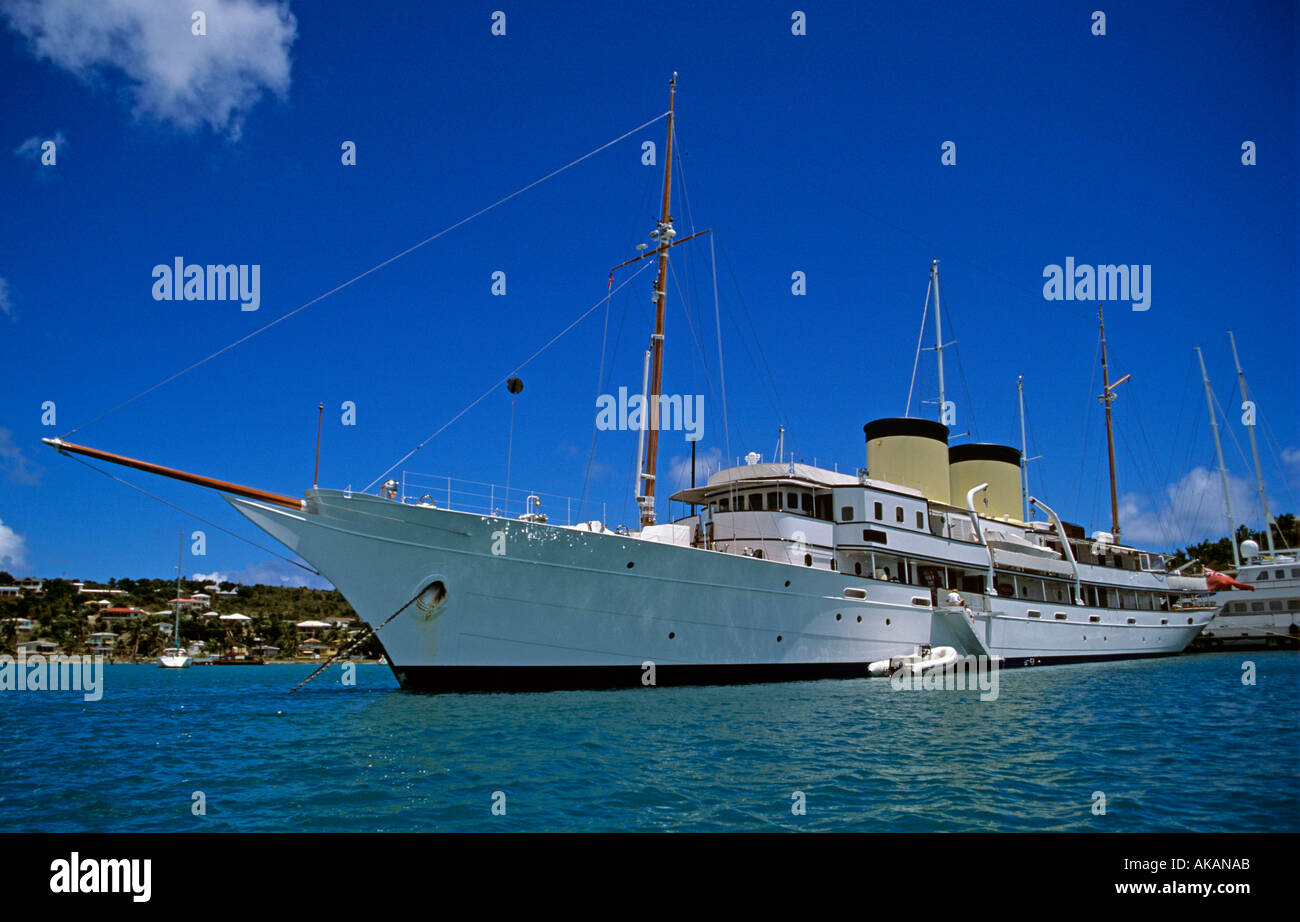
(1107, 398)
(664, 235)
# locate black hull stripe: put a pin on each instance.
(564, 678)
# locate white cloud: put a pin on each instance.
(7, 300)
(679, 469)
(13, 547)
(15, 466)
(32, 146)
(1191, 510)
(190, 81)
(268, 573)
(1291, 458)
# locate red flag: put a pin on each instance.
(1216, 580)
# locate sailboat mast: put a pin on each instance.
(1024, 454)
(938, 335)
(1218, 450)
(1107, 398)
(1254, 450)
(651, 410)
(180, 558)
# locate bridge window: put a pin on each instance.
(724, 504)
(872, 534)
(1035, 614)
(807, 560)
(880, 512)
(774, 500)
(898, 513)
(756, 502)
(846, 514)
(920, 519)
(792, 502)
(807, 503)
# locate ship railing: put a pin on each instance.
(482, 498)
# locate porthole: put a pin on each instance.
(838, 616)
(1189, 620)
(787, 583)
(859, 619)
(630, 565)
(887, 621)
(857, 568)
(778, 638)
(672, 635)
(807, 560)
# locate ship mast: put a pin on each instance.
(938, 336)
(1254, 450)
(1218, 450)
(1107, 398)
(650, 413)
(1024, 454)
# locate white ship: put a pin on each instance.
(1270, 615)
(1267, 617)
(782, 570)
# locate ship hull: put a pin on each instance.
(466, 602)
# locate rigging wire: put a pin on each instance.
(479, 399)
(193, 515)
(916, 361)
(356, 278)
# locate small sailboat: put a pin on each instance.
(176, 656)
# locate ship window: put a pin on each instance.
(1060, 616)
(1293, 604)
(1164, 620)
(774, 500)
(807, 503)
(1295, 573)
(1132, 620)
(756, 502)
(1256, 606)
(880, 512)
(851, 593)
(898, 513)
(792, 502)
(1263, 574)
(857, 568)
(835, 564)
(1275, 606)
(1279, 574)
(920, 600)
(807, 560)
(1238, 606)
(872, 534)
(758, 554)
(1035, 614)
(846, 514)
(724, 504)
(920, 519)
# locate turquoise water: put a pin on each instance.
(1173, 744)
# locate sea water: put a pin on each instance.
(1175, 744)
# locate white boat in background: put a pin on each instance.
(781, 571)
(1270, 615)
(176, 656)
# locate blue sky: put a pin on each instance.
(817, 153)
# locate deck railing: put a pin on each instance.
(482, 498)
